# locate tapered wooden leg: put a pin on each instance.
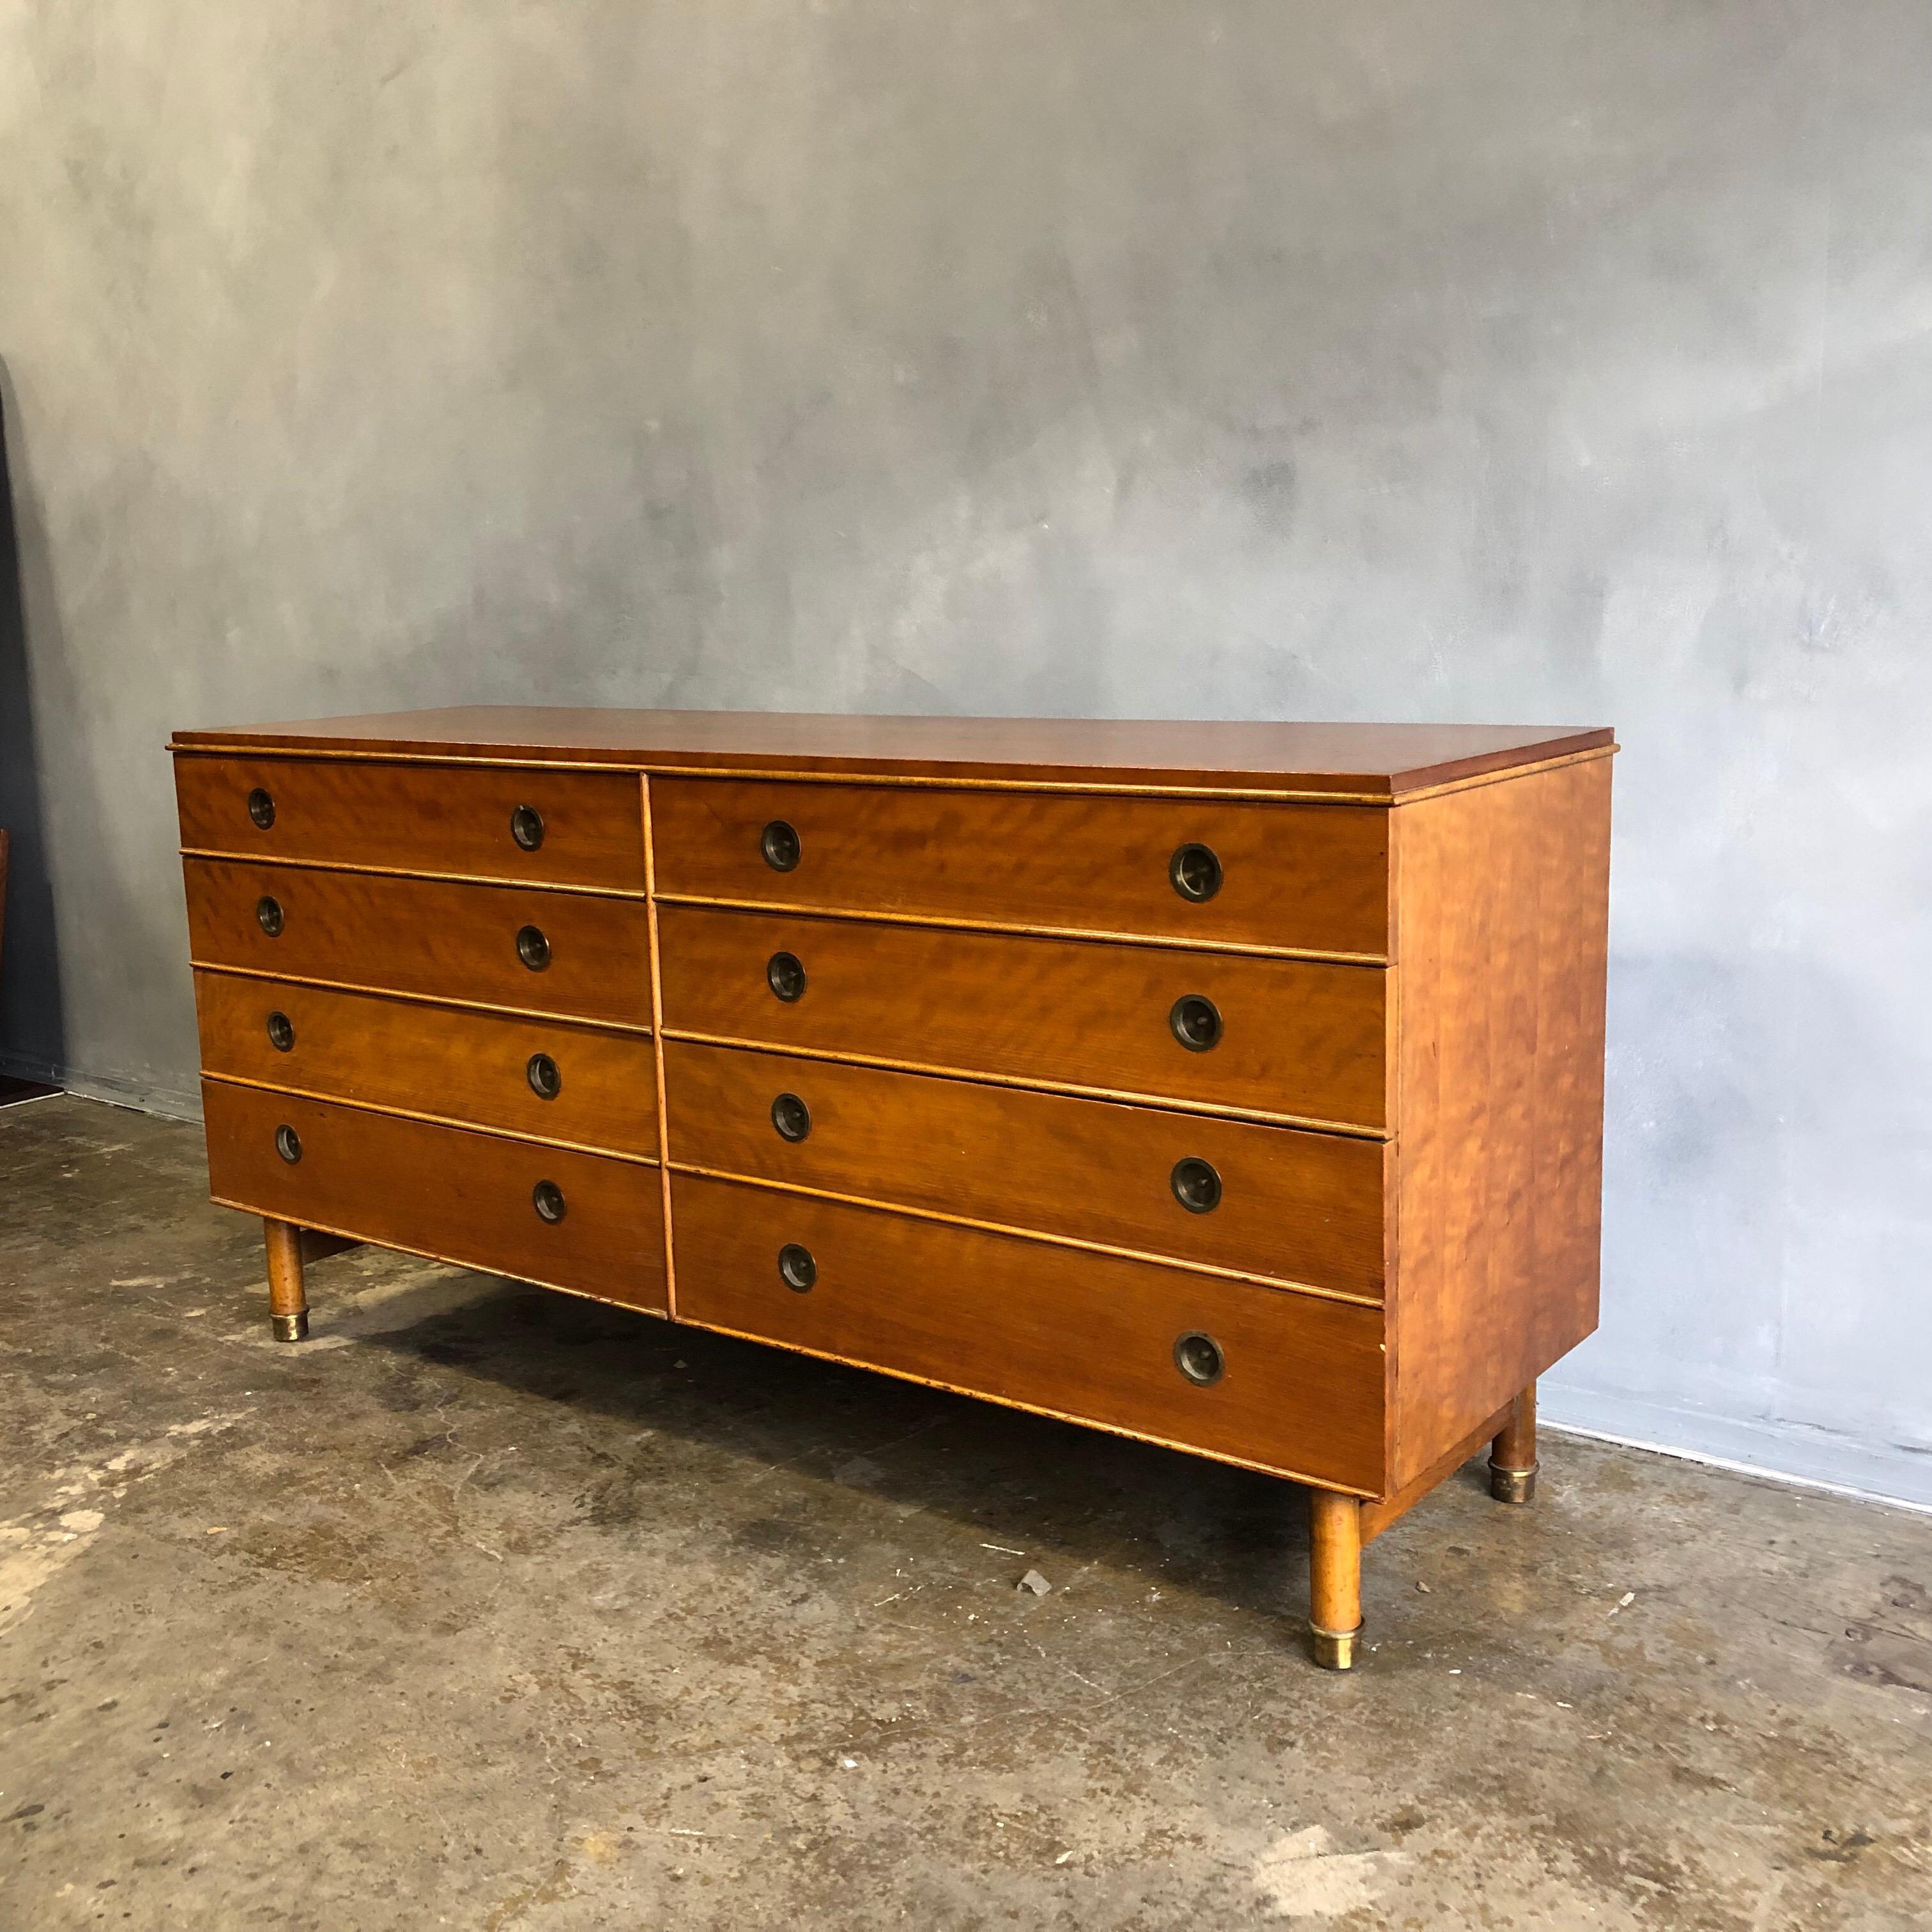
(1334, 1578)
(288, 1303)
(1513, 1454)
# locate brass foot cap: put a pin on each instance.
(1512, 1485)
(290, 1327)
(1334, 1650)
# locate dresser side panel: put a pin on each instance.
(1502, 916)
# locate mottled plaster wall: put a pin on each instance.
(1524, 360)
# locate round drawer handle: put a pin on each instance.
(533, 949)
(1196, 872)
(797, 1268)
(1198, 1357)
(791, 1117)
(545, 1076)
(261, 808)
(1196, 1185)
(527, 827)
(779, 843)
(281, 1032)
(288, 1144)
(1195, 1021)
(546, 1197)
(268, 915)
(784, 973)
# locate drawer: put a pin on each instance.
(454, 941)
(1087, 1335)
(534, 1077)
(1299, 1039)
(1293, 1206)
(465, 1197)
(587, 828)
(1308, 877)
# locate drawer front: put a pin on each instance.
(520, 1076)
(1275, 1201)
(1087, 1335)
(1298, 1038)
(465, 1197)
(587, 828)
(458, 942)
(1311, 877)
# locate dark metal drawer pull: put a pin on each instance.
(527, 827)
(1196, 871)
(261, 808)
(268, 915)
(533, 949)
(545, 1077)
(796, 1269)
(791, 1117)
(1196, 1185)
(546, 1197)
(1196, 1022)
(784, 973)
(1198, 1357)
(281, 1032)
(779, 843)
(288, 1144)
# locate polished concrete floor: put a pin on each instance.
(492, 1609)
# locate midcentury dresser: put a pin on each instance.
(1238, 1087)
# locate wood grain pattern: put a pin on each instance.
(1303, 877)
(1078, 1334)
(1385, 1514)
(1296, 1207)
(416, 818)
(466, 1197)
(426, 937)
(1381, 761)
(1502, 915)
(469, 1068)
(1302, 1039)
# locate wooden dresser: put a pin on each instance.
(1235, 1086)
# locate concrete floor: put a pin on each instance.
(493, 1609)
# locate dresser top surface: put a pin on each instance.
(1368, 760)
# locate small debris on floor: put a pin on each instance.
(1623, 1603)
(1033, 1581)
(1423, 1587)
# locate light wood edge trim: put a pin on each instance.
(1028, 1408)
(1378, 1516)
(637, 892)
(1507, 772)
(1394, 1100)
(657, 1048)
(432, 1255)
(1276, 1283)
(421, 999)
(431, 1119)
(1166, 1103)
(1086, 934)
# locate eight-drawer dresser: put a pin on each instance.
(1235, 1086)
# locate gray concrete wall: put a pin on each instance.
(1521, 360)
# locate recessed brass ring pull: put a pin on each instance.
(791, 1117)
(288, 1144)
(261, 808)
(784, 973)
(527, 827)
(546, 1197)
(545, 1076)
(779, 843)
(1195, 1021)
(533, 949)
(281, 1032)
(1198, 1357)
(268, 915)
(1196, 871)
(797, 1268)
(1196, 1185)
